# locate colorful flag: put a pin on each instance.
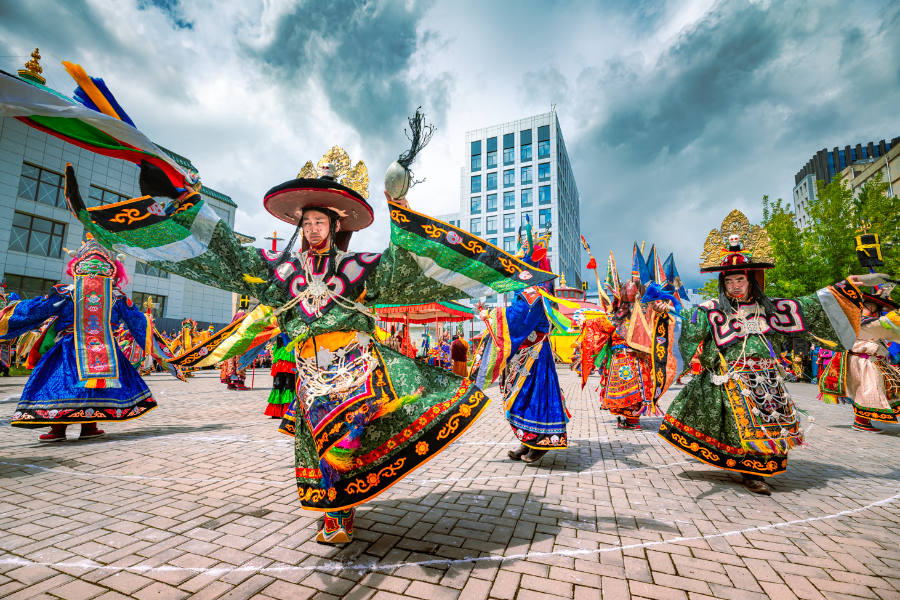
(612, 276)
(93, 121)
(639, 267)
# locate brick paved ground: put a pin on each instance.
(197, 499)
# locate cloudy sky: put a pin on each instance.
(674, 112)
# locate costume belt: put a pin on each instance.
(743, 364)
(865, 356)
(753, 364)
(535, 337)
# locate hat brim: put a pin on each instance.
(288, 201)
(886, 303)
(745, 267)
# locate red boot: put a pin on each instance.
(89, 430)
(57, 434)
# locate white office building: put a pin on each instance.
(804, 192)
(35, 224)
(520, 169)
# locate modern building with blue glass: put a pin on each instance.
(825, 165)
(516, 171)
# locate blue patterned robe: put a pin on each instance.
(51, 395)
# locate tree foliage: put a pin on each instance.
(824, 252)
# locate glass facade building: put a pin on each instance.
(527, 160)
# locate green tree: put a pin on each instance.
(789, 277)
(710, 289)
(829, 240)
(878, 213)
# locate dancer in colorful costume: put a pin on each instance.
(365, 416)
(284, 373)
(84, 378)
(517, 342)
(865, 376)
(737, 414)
(632, 345)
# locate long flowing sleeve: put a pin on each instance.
(509, 327)
(193, 242)
(135, 321)
(429, 260)
(694, 331)
(833, 314)
(25, 315)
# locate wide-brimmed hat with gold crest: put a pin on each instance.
(333, 185)
(737, 247)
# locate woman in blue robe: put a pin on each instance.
(84, 378)
(517, 344)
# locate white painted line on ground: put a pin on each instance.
(440, 562)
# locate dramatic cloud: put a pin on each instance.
(729, 112)
(674, 112)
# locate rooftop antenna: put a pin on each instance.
(553, 107)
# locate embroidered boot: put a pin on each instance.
(89, 430)
(57, 434)
(632, 423)
(861, 424)
(518, 453)
(337, 527)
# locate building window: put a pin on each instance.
(492, 153)
(142, 268)
(159, 303)
(100, 197)
(475, 226)
(509, 200)
(476, 162)
(492, 241)
(491, 225)
(476, 148)
(544, 172)
(476, 183)
(34, 235)
(526, 175)
(41, 185)
(526, 219)
(492, 181)
(527, 197)
(476, 205)
(544, 218)
(491, 203)
(28, 287)
(544, 194)
(509, 244)
(544, 141)
(509, 222)
(544, 149)
(509, 149)
(509, 178)
(525, 142)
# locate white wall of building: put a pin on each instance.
(20, 144)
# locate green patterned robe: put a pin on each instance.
(717, 424)
(350, 446)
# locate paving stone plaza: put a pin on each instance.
(197, 499)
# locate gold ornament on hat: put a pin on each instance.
(754, 238)
(355, 178)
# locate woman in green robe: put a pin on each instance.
(737, 414)
(366, 416)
